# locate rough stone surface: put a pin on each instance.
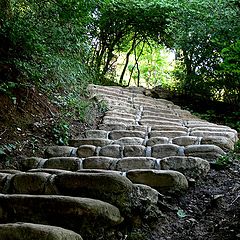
(134, 151)
(113, 151)
(66, 163)
(100, 162)
(98, 142)
(96, 134)
(168, 134)
(129, 163)
(165, 150)
(109, 187)
(157, 140)
(190, 166)
(110, 127)
(208, 152)
(30, 163)
(146, 193)
(160, 122)
(74, 213)
(29, 183)
(29, 231)
(161, 180)
(186, 140)
(60, 151)
(169, 128)
(3, 179)
(86, 151)
(224, 143)
(129, 141)
(117, 134)
(113, 120)
(228, 134)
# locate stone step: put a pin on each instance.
(129, 147)
(112, 91)
(81, 215)
(208, 152)
(191, 167)
(98, 142)
(113, 187)
(110, 187)
(228, 134)
(159, 114)
(161, 180)
(30, 231)
(159, 127)
(168, 134)
(117, 120)
(157, 110)
(150, 122)
(117, 134)
(162, 117)
(117, 114)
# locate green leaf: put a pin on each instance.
(181, 213)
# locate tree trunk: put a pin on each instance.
(127, 60)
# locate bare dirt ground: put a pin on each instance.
(209, 210)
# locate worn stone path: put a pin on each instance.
(109, 177)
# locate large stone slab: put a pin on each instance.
(98, 142)
(129, 163)
(169, 128)
(60, 151)
(29, 231)
(109, 187)
(160, 122)
(129, 141)
(161, 180)
(120, 114)
(156, 115)
(65, 163)
(116, 120)
(186, 140)
(30, 163)
(29, 183)
(100, 162)
(157, 140)
(141, 128)
(112, 126)
(158, 109)
(165, 150)
(82, 215)
(168, 134)
(224, 143)
(134, 151)
(117, 134)
(146, 193)
(96, 134)
(227, 134)
(86, 151)
(193, 167)
(208, 152)
(113, 151)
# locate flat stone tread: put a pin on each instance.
(30, 231)
(51, 208)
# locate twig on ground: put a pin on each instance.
(3, 132)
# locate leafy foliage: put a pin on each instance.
(202, 32)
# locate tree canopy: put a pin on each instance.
(61, 41)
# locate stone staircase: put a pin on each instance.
(110, 178)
